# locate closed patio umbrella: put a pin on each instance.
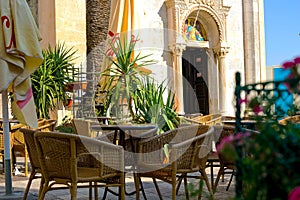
(20, 55)
(124, 22)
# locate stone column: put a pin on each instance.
(222, 78)
(177, 50)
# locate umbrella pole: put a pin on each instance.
(7, 163)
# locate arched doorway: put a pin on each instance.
(195, 85)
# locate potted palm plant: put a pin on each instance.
(152, 107)
(50, 79)
(123, 75)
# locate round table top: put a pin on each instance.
(123, 126)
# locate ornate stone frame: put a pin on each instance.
(214, 21)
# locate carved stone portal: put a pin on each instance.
(212, 17)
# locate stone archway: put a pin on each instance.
(212, 16)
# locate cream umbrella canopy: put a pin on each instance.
(20, 55)
(124, 23)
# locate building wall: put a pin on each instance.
(63, 21)
(71, 25)
(235, 57)
(46, 22)
(241, 26)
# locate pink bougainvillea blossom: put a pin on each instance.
(288, 65)
(287, 85)
(243, 101)
(295, 194)
(257, 109)
(224, 142)
(297, 60)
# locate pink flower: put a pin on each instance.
(297, 60)
(292, 75)
(243, 101)
(295, 194)
(257, 109)
(225, 141)
(241, 137)
(288, 65)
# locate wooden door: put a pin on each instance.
(195, 90)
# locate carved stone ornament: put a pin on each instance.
(177, 49)
(208, 2)
(221, 51)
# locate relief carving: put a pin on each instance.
(183, 8)
(208, 2)
(177, 49)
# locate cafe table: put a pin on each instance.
(246, 123)
(10, 121)
(120, 131)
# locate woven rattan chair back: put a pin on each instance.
(19, 145)
(47, 125)
(83, 127)
(188, 147)
(212, 119)
(60, 155)
(2, 145)
(227, 165)
(290, 119)
(33, 157)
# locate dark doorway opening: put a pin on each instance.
(195, 88)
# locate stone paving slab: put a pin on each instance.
(20, 181)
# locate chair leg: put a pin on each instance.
(95, 190)
(204, 175)
(41, 186)
(212, 173)
(73, 191)
(26, 161)
(45, 189)
(33, 173)
(157, 188)
(122, 187)
(142, 188)
(105, 193)
(221, 171)
(179, 184)
(90, 190)
(227, 188)
(173, 186)
(137, 186)
(185, 188)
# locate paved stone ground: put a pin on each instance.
(20, 182)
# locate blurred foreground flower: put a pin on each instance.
(295, 194)
(294, 67)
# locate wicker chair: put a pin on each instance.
(213, 158)
(290, 119)
(227, 166)
(2, 146)
(212, 119)
(33, 157)
(19, 141)
(46, 125)
(19, 145)
(188, 147)
(61, 157)
(83, 127)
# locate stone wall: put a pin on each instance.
(70, 20)
(235, 57)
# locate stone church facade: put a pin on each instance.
(203, 72)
